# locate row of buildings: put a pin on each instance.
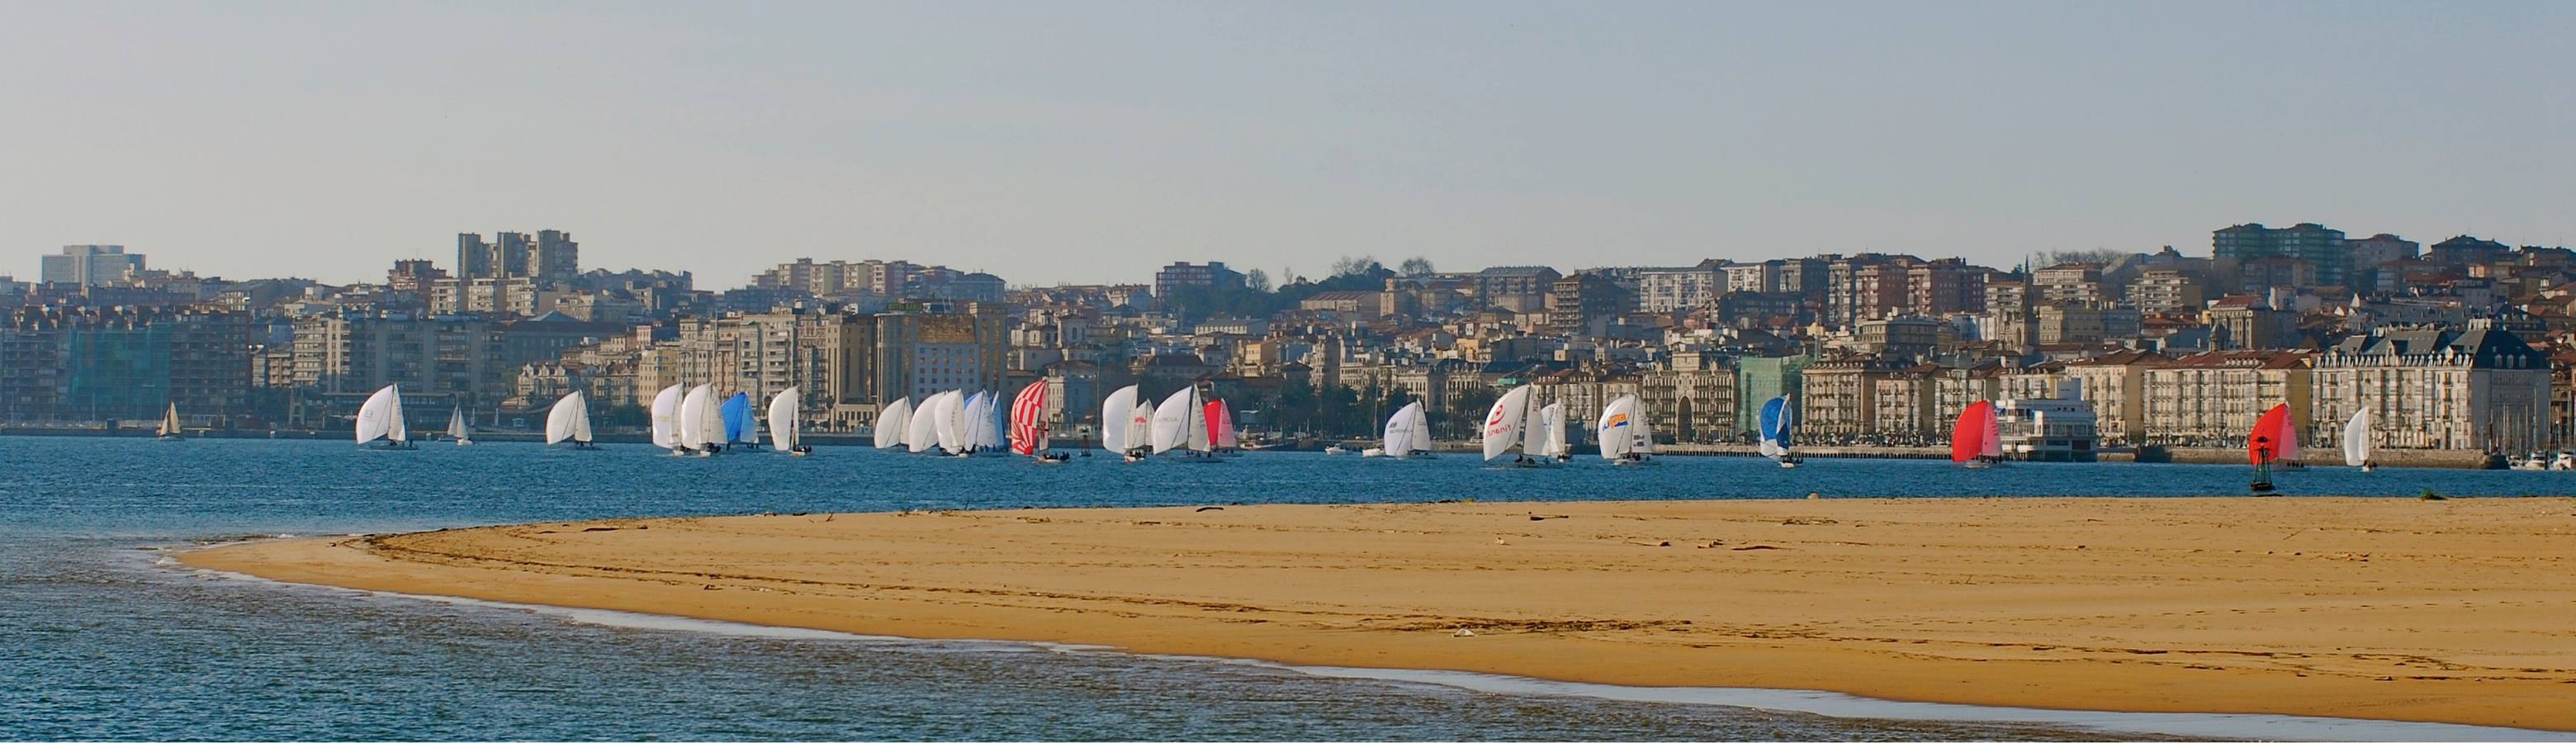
(2467, 349)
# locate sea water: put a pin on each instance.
(102, 636)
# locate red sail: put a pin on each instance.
(1215, 417)
(1028, 420)
(1968, 438)
(2263, 444)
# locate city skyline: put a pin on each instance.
(1065, 145)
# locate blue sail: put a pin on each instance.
(737, 418)
(1775, 421)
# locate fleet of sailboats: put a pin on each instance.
(1190, 426)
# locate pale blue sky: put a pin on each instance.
(1092, 141)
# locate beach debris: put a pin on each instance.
(1758, 547)
(1499, 540)
(1203, 509)
(1652, 544)
(1463, 632)
(1713, 543)
(708, 587)
(2430, 495)
(600, 528)
(1536, 517)
(1804, 521)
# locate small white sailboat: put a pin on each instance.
(170, 424)
(1333, 449)
(1553, 445)
(921, 433)
(1116, 412)
(2566, 461)
(701, 424)
(381, 418)
(2356, 441)
(1625, 439)
(949, 423)
(1509, 424)
(892, 423)
(1179, 424)
(1407, 434)
(666, 419)
(986, 426)
(783, 435)
(569, 420)
(456, 427)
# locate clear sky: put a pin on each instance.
(1093, 141)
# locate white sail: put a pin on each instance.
(1554, 415)
(1405, 433)
(782, 419)
(1140, 427)
(456, 424)
(1194, 423)
(921, 433)
(1114, 414)
(170, 421)
(893, 422)
(696, 410)
(568, 419)
(2356, 438)
(949, 421)
(1645, 431)
(1421, 429)
(1506, 423)
(381, 416)
(985, 423)
(1172, 420)
(1618, 427)
(712, 419)
(666, 418)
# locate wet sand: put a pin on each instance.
(2459, 611)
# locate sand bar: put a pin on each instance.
(2459, 611)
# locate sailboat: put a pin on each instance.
(1507, 425)
(892, 422)
(170, 424)
(1407, 434)
(1625, 439)
(382, 418)
(990, 425)
(1974, 441)
(1029, 427)
(1140, 431)
(569, 420)
(1552, 445)
(666, 419)
(1219, 417)
(1116, 411)
(456, 427)
(2356, 441)
(921, 433)
(1775, 432)
(697, 414)
(740, 427)
(782, 424)
(1180, 424)
(2267, 443)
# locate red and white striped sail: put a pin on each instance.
(1028, 420)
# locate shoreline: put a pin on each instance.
(1965, 601)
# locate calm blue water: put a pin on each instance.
(100, 639)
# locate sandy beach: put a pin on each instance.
(2458, 611)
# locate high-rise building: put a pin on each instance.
(552, 257)
(473, 257)
(1181, 274)
(557, 257)
(2313, 244)
(89, 265)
